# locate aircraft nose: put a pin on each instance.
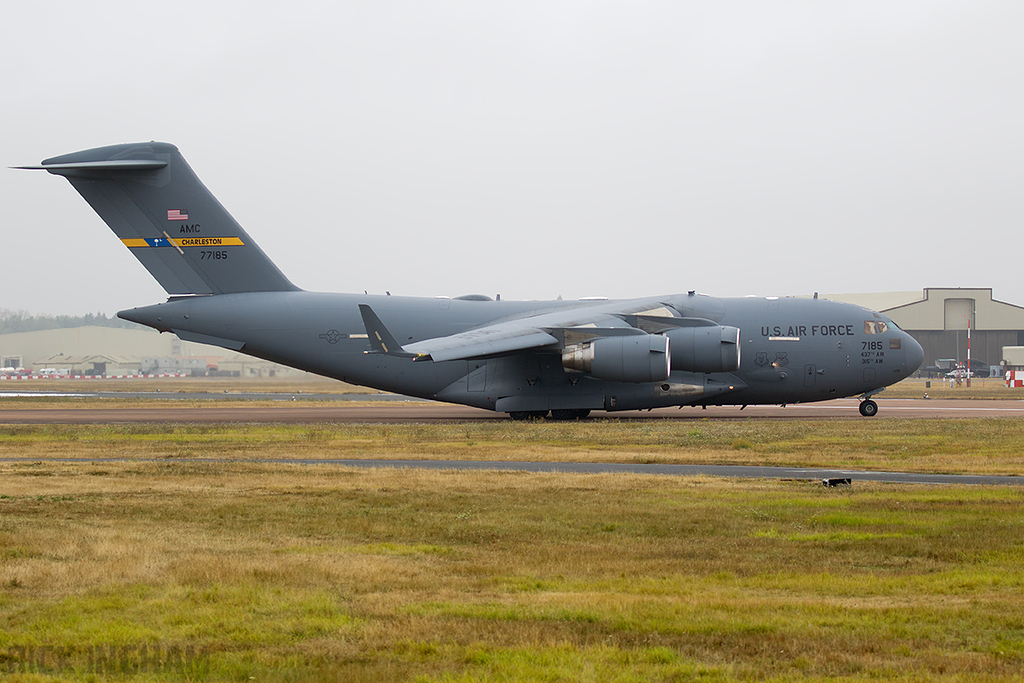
(914, 354)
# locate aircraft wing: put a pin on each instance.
(535, 331)
(484, 341)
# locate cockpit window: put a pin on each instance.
(875, 327)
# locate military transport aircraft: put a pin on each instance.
(524, 358)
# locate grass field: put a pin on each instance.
(975, 446)
(186, 564)
(981, 388)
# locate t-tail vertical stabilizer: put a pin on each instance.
(155, 204)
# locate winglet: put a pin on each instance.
(381, 339)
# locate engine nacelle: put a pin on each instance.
(713, 348)
(631, 358)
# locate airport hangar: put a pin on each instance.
(937, 317)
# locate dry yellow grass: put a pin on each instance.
(284, 572)
(981, 388)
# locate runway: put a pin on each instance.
(92, 412)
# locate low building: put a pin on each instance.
(1014, 357)
(92, 364)
(189, 365)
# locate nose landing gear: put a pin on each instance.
(868, 408)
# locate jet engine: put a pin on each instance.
(711, 348)
(631, 358)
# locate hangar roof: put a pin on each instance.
(942, 308)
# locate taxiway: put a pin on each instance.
(93, 412)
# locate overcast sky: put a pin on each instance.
(533, 149)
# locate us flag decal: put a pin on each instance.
(177, 215)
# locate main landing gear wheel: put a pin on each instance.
(569, 414)
(868, 408)
(528, 414)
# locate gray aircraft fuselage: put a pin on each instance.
(792, 349)
(526, 358)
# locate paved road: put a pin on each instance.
(299, 412)
(681, 470)
(742, 471)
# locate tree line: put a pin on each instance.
(23, 321)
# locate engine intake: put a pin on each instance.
(711, 348)
(633, 358)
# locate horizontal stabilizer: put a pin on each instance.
(99, 166)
